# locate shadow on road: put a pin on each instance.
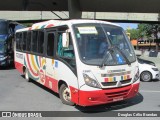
(10, 67)
(112, 106)
(155, 80)
(43, 87)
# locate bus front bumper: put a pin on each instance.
(90, 98)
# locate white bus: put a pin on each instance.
(87, 62)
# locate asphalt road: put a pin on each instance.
(16, 94)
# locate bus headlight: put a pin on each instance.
(136, 77)
(90, 82)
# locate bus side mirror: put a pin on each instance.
(65, 40)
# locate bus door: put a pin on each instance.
(51, 81)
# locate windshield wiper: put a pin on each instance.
(111, 50)
(106, 56)
(124, 56)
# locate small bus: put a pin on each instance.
(87, 62)
(7, 31)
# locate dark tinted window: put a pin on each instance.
(28, 41)
(19, 42)
(34, 41)
(24, 40)
(50, 44)
(40, 42)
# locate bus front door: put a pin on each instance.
(51, 81)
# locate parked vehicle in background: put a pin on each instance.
(148, 70)
(7, 31)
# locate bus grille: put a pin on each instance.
(126, 81)
(109, 83)
(122, 93)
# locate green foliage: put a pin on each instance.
(134, 33)
(148, 30)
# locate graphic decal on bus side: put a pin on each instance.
(42, 26)
(36, 66)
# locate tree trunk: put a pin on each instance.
(157, 46)
(157, 43)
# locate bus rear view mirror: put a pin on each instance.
(65, 40)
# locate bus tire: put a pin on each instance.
(26, 75)
(64, 94)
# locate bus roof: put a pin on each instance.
(52, 23)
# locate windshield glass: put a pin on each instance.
(3, 27)
(94, 41)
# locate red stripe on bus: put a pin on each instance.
(19, 67)
(50, 25)
(51, 83)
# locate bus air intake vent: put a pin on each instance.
(122, 93)
(126, 81)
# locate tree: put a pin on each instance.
(150, 30)
(134, 33)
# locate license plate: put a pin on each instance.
(117, 99)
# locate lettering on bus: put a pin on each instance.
(20, 56)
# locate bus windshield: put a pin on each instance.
(3, 27)
(94, 41)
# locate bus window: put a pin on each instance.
(24, 40)
(28, 41)
(34, 41)
(19, 41)
(40, 42)
(50, 44)
(66, 53)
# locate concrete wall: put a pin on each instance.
(38, 15)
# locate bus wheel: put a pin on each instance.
(65, 96)
(26, 75)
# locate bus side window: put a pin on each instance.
(20, 42)
(24, 40)
(34, 41)
(28, 41)
(66, 53)
(40, 42)
(17, 41)
(50, 44)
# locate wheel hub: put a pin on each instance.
(146, 76)
(66, 94)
